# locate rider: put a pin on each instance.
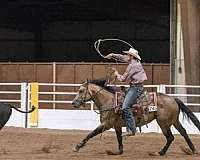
(134, 76)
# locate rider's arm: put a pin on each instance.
(120, 57)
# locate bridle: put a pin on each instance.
(93, 97)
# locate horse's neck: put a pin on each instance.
(102, 97)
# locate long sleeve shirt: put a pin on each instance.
(134, 72)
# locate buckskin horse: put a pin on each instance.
(167, 114)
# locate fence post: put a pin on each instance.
(24, 103)
(34, 88)
(92, 106)
(161, 88)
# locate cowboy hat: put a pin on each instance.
(133, 52)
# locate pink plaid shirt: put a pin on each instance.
(134, 72)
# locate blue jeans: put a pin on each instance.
(130, 99)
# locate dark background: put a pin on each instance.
(65, 30)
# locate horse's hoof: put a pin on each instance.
(75, 149)
(154, 154)
(186, 150)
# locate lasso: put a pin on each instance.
(97, 44)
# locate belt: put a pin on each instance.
(136, 85)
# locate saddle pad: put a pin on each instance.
(147, 99)
(153, 98)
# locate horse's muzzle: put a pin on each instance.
(77, 103)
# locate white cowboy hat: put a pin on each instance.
(133, 52)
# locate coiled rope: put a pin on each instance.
(97, 44)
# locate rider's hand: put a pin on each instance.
(109, 56)
(116, 73)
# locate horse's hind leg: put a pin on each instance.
(101, 128)
(169, 136)
(183, 132)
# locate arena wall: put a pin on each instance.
(85, 120)
(69, 73)
(73, 72)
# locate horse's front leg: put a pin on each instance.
(101, 128)
(118, 131)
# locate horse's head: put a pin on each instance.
(83, 95)
(94, 90)
(110, 75)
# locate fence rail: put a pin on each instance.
(159, 88)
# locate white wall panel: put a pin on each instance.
(86, 120)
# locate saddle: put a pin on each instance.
(145, 103)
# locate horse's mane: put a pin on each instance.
(101, 83)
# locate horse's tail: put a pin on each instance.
(32, 109)
(188, 113)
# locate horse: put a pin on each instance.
(167, 114)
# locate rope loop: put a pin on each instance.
(97, 44)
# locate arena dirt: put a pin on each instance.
(46, 144)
